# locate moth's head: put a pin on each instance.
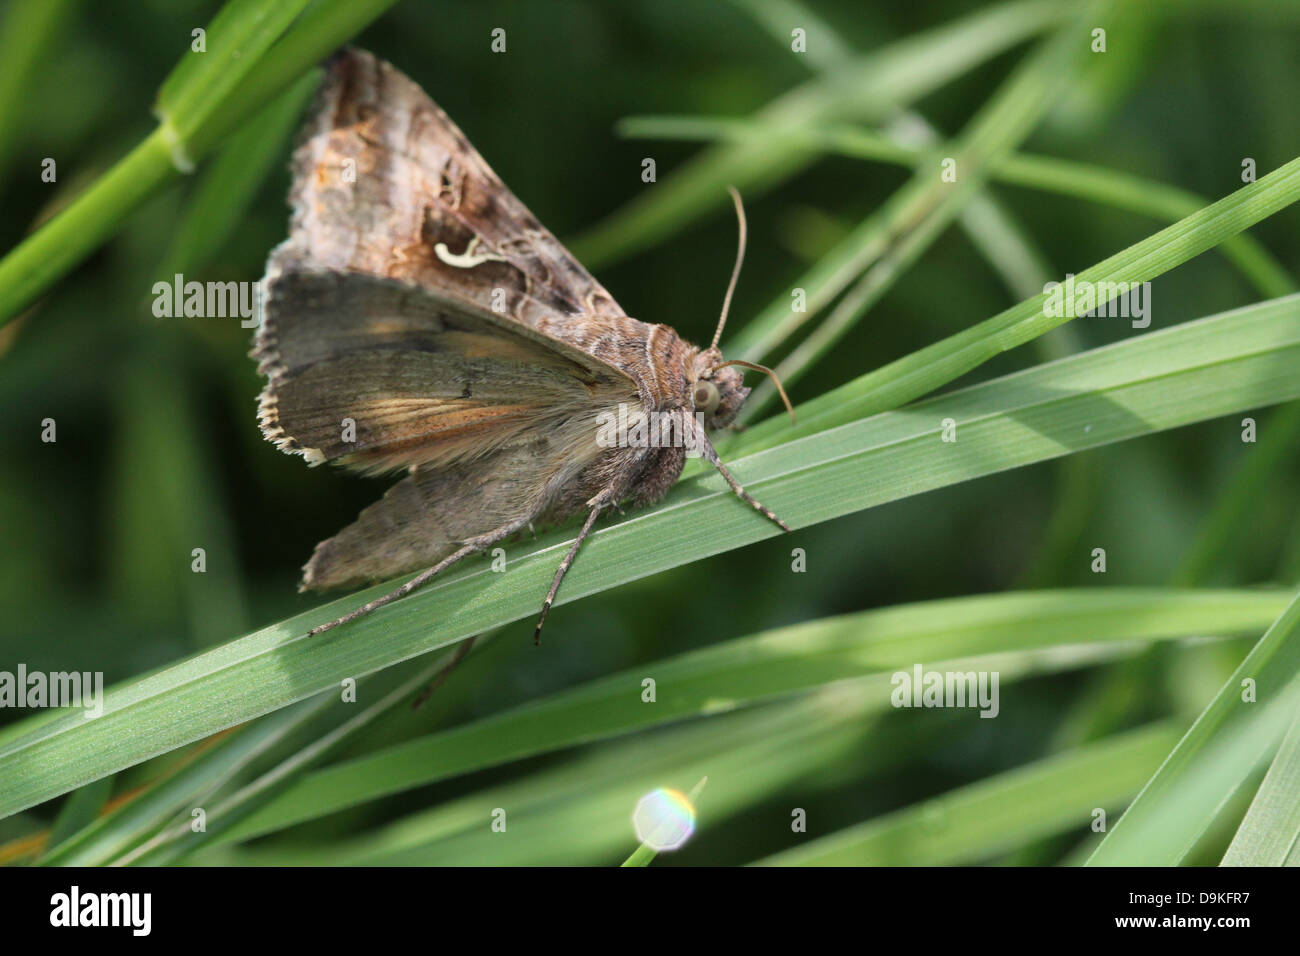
(718, 392)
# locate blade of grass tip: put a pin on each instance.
(27, 28)
(671, 829)
(926, 369)
(1063, 177)
(1243, 359)
(1234, 732)
(1270, 832)
(870, 88)
(891, 240)
(53, 250)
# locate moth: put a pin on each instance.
(419, 319)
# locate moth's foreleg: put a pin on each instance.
(468, 547)
(564, 567)
(734, 485)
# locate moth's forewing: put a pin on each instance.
(385, 184)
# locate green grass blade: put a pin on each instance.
(748, 670)
(132, 822)
(166, 846)
(643, 855)
(891, 240)
(80, 810)
(825, 50)
(233, 43)
(1270, 833)
(44, 257)
(1215, 757)
(925, 370)
(1000, 813)
(230, 184)
(1084, 181)
(54, 249)
(870, 89)
(580, 812)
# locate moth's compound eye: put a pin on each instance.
(706, 397)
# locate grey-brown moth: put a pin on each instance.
(420, 319)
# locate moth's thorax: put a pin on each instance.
(716, 392)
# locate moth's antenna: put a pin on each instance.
(735, 273)
(767, 371)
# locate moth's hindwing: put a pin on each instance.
(425, 517)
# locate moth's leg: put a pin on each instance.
(468, 547)
(712, 457)
(462, 651)
(565, 564)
